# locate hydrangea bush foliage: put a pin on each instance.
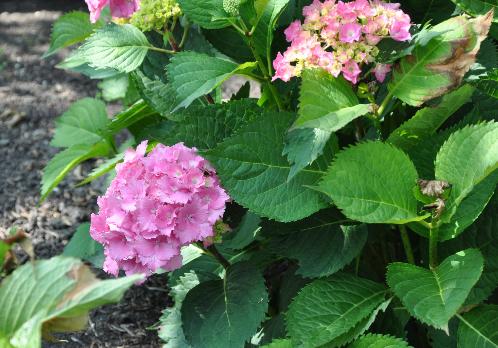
(343, 196)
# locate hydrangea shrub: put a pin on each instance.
(343, 197)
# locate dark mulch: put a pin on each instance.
(32, 94)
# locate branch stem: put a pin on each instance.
(433, 240)
(217, 255)
(405, 238)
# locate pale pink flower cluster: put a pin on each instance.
(340, 37)
(155, 205)
(119, 8)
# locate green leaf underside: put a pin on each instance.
(69, 29)
(235, 309)
(378, 341)
(193, 75)
(321, 247)
(120, 47)
(479, 328)
(329, 308)
(171, 330)
(63, 162)
(114, 88)
(333, 121)
(435, 296)
(208, 14)
(321, 94)
(372, 182)
(482, 235)
(431, 70)
(251, 167)
(428, 120)
(466, 160)
(83, 123)
(35, 289)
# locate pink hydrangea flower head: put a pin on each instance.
(340, 37)
(119, 8)
(156, 204)
(380, 71)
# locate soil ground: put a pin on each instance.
(32, 94)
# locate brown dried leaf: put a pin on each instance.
(432, 188)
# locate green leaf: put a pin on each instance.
(440, 65)
(378, 341)
(4, 249)
(372, 182)
(208, 14)
(114, 88)
(193, 75)
(128, 117)
(244, 234)
(251, 167)
(321, 94)
(82, 246)
(465, 160)
(478, 7)
(57, 292)
(236, 307)
(304, 145)
(479, 328)
(482, 235)
(322, 247)
(206, 126)
(159, 95)
(335, 120)
(120, 47)
(265, 26)
(62, 163)
(170, 330)
(429, 119)
(328, 308)
(434, 296)
(280, 343)
(103, 169)
(488, 83)
(82, 124)
(69, 29)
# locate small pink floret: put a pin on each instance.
(119, 8)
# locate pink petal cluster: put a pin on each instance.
(340, 37)
(155, 205)
(119, 8)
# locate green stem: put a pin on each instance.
(157, 49)
(407, 244)
(433, 240)
(217, 255)
(385, 103)
(185, 35)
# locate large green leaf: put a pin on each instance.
(159, 95)
(428, 120)
(193, 75)
(378, 341)
(329, 308)
(322, 247)
(321, 95)
(171, 330)
(208, 14)
(466, 160)
(225, 313)
(479, 328)
(372, 182)
(82, 246)
(206, 126)
(83, 123)
(120, 47)
(268, 14)
(482, 235)
(440, 65)
(62, 163)
(251, 167)
(335, 120)
(478, 7)
(69, 29)
(57, 293)
(434, 296)
(279, 343)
